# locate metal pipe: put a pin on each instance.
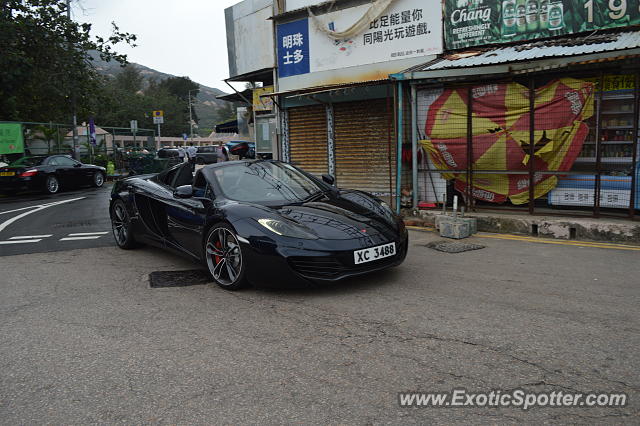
(469, 190)
(400, 105)
(532, 144)
(414, 145)
(598, 180)
(238, 93)
(634, 154)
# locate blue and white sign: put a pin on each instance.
(293, 48)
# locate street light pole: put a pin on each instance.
(73, 97)
(190, 117)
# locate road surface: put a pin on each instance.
(36, 223)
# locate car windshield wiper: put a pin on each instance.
(315, 196)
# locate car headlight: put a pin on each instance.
(285, 229)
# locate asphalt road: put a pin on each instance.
(37, 223)
(84, 339)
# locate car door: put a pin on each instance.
(186, 217)
(70, 171)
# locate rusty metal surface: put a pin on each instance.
(362, 151)
(308, 138)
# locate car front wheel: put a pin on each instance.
(224, 257)
(98, 179)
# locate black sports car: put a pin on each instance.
(259, 221)
(48, 174)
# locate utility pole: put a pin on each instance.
(73, 96)
(190, 117)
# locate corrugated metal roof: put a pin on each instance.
(535, 50)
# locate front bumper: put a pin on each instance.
(271, 265)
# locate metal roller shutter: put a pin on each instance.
(362, 145)
(308, 138)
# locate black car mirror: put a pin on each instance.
(183, 191)
(329, 179)
(77, 165)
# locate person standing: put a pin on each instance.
(181, 153)
(191, 153)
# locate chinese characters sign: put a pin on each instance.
(407, 29)
(11, 141)
(293, 48)
(479, 22)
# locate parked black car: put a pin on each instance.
(49, 174)
(207, 154)
(260, 222)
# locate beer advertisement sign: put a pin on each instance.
(480, 22)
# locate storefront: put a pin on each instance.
(549, 127)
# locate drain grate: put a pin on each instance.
(453, 246)
(159, 279)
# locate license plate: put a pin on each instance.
(374, 253)
(7, 173)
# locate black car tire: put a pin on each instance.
(98, 179)
(224, 258)
(121, 226)
(51, 184)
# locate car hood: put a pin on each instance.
(342, 218)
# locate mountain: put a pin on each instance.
(206, 104)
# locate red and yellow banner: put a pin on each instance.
(500, 135)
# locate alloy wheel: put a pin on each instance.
(120, 224)
(224, 257)
(98, 179)
(52, 185)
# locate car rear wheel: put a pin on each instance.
(98, 179)
(121, 225)
(224, 257)
(51, 184)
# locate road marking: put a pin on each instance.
(528, 239)
(20, 241)
(26, 237)
(88, 233)
(8, 222)
(80, 238)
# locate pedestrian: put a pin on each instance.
(181, 153)
(191, 153)
(223, 154)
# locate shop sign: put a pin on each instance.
(262, 103)
(479, 22)
(615, 82)
(407, 29)
(11, 141)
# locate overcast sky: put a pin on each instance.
(183, 38)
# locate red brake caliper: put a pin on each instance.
(218, 258)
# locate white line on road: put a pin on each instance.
(88, 233)
(93, 237)
(20, 241)
(26, 237)
(8, 222)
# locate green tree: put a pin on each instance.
(225, 113)
(44, 58)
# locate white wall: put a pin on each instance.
(253, 36)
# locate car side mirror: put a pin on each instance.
(183, 191)
(77, 165)
(329, 179)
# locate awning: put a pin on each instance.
(228, 127)
(235, 97)
(324, 89)
(264, 76)
(528, 57)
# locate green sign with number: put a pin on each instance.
(11, 141)
(479, 22)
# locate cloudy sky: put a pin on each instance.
(183, 38)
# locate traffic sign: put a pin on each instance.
(158, 113)
(158, 119)
(134, 125)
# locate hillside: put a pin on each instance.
(205, 106)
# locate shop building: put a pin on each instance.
(534, 109)
(334, 99)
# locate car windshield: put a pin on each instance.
(265, 182)
(28, 161)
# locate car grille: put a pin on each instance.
(331, 267)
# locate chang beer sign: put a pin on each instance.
(481, 22)
(11, 141)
